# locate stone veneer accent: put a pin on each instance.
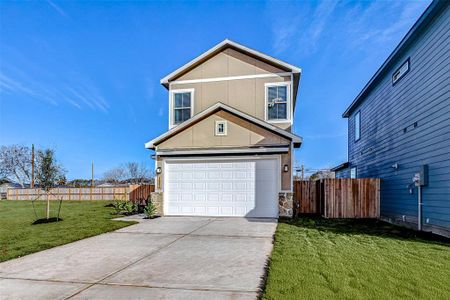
(285, 204)
(157, 199)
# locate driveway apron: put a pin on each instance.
(164, 258)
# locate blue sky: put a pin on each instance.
(83, 77)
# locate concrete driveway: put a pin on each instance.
(164, 258)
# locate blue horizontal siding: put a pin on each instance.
(421, 96)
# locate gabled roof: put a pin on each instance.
(297, 140)
(220, 47)
(421, 24)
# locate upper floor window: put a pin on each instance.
(400, 72)
(357, 126)
(277, 102)
(181, 106)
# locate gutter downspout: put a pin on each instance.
(419, 208)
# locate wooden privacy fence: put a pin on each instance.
(307, 197)
(338, 198)
(129, 193)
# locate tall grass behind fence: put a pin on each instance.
(129, 193)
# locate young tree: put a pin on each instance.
(15, 163)
(48, 172)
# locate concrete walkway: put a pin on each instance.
(164, 258)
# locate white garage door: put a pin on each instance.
(222, 188)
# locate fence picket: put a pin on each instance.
(338, 198)
(135, 193)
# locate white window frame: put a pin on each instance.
(357, 128)
(400, 72)
(353, 172)
(288, 102)
(225, 129)
(172, 104)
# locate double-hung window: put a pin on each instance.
(277, 102)
(182, 103)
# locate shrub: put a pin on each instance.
(150, 210)
(130, 208)
(119, 206)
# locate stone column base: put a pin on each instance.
(285, 204)
(158, 200)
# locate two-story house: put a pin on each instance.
(399, 127)
(229, 147)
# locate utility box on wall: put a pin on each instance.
(421, 177)
(423, 173)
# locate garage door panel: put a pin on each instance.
(199, 175)
(227, 175)
(215, 188)
(213, 197)
(200, 186)
(200, 210)
(240, 211)
(227, 197)
(200, 197)
(213, 211)
(227, 186)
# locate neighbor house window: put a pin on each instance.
(358, 126)
(400, 72)
(221, 127)
(353, 172)
(182, 101)
(277, 101)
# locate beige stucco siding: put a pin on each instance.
(229, 63)
(247, 95)
(286, 179)
(240, 133)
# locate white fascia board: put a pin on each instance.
(229, 78)
(222, 44)
(223, 151)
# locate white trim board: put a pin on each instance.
(223, 151)
(228, 78)
(288, 102)
(171, 104)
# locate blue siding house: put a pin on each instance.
(399, 127)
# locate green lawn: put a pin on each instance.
(351, 259)
(81, 219)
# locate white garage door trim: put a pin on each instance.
(250, 193)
